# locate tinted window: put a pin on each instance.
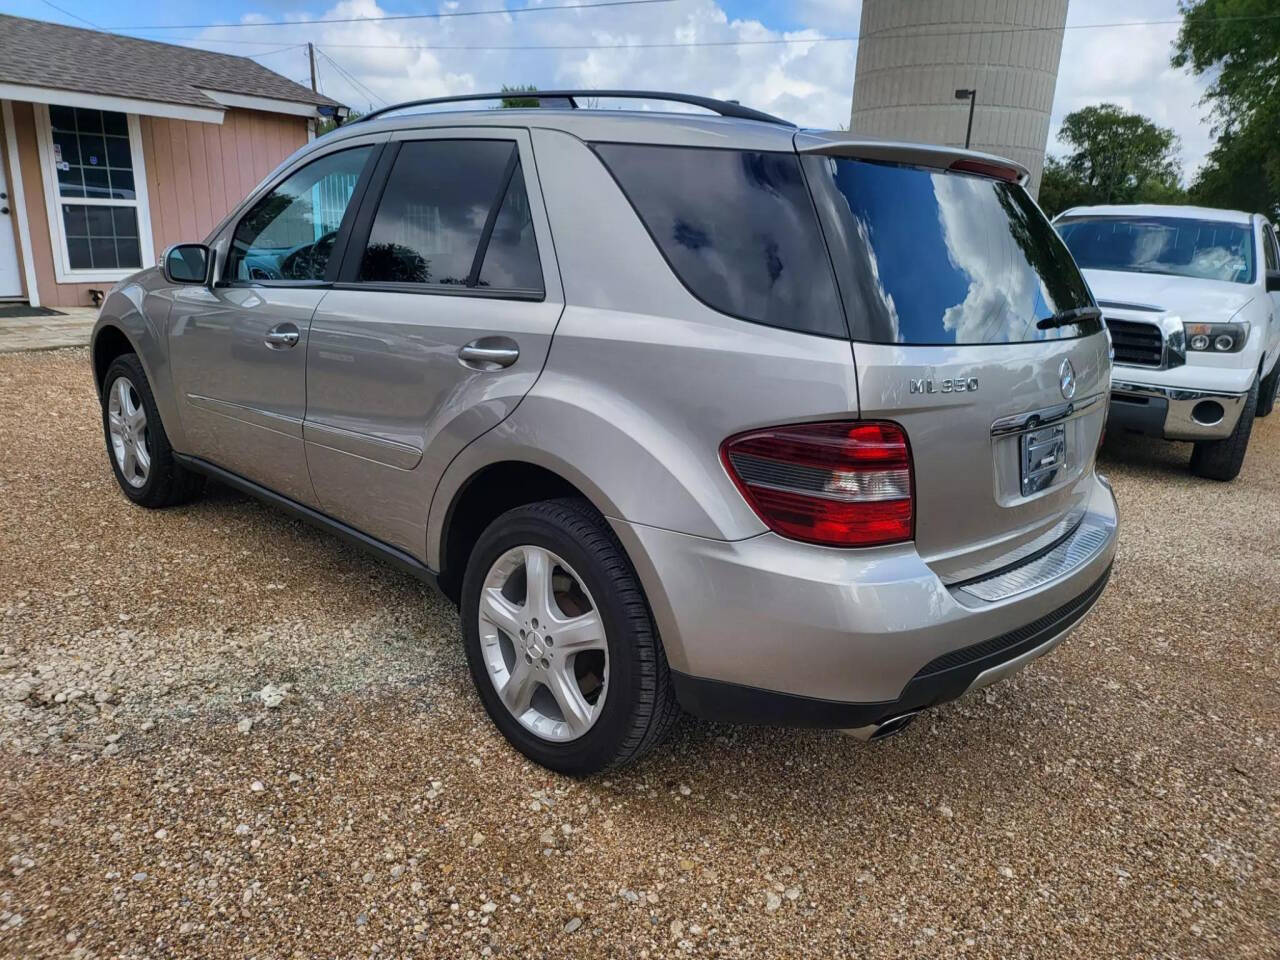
(738, 229)
(1184, 247)
(511, 261)
(931, 257)
(438, 210)
(289, 233)
(1270, 244)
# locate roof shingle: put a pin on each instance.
(40, 54)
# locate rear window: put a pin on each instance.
(925, 256)
(1183, 247)
(738, 228)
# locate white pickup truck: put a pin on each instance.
(1191, 296)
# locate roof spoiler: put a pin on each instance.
(917, 154)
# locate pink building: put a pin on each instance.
(113, 148)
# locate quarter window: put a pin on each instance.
(738, 228)
(454, 213)
(289, 234)
(96, 178)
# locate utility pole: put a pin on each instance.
(972, 97)
(311, 55)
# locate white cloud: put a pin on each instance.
(1129, 66)
(808, 82)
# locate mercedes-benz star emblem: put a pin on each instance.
(1067, 379)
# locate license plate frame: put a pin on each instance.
(1042, 457)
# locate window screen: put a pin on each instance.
(97, 192)
(737, 227)
(437, 224)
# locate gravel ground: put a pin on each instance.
(223, 734)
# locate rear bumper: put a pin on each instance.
(767, 630)
(945, 678)
(1172, 413)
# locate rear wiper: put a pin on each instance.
(1068, 316)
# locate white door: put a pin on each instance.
(10, 278)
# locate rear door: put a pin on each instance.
(960, 297)
(439, 324)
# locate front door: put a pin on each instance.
(441, 321)
(239, 349)
(10, 276)
(1271, 260)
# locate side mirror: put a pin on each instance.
(187, 263)
(1273, 281)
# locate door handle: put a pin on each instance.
(281, 337)
(489, 353)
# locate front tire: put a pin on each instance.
(560, 642)
(1267, 392)
(137, 445)
(1222, 459)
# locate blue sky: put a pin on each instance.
(806, 79)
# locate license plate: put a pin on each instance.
(1044, 457)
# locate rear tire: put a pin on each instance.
(1267, 392)
(137, 445)
(635, 705)
(1222, 459)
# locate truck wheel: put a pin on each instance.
(1222, 459)
(137, 445)
(1267, 392)
(560, 642)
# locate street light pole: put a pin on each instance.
(972, 97)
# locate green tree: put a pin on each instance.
(325, 124)
(512, 102)
(1237, 44)
(1120, 156)
(1060, 189)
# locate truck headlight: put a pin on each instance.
(1216, 337)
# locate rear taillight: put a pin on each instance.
(842, 484)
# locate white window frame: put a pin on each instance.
(62, 270)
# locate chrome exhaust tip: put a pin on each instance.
(885, 728)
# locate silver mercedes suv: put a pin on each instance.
(681, 409)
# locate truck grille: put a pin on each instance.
(1136, 344)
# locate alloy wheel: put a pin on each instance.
(543, 643)
(127, 424)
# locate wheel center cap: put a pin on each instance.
(537, 649)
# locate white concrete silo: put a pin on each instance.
(913, 55)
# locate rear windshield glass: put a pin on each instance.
(1205, 249)
(737, 227)
(929, 257)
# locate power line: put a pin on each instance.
(68, 13)
(357, 85)
(667, 45)
(398, 16)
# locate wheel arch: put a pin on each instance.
(134, 319)
(109, 342)
(486, 493)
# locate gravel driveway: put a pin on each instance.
(224, 734)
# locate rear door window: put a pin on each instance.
(934, 257)
(738, 228)
(454, 214)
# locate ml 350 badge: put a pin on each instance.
(955, 385)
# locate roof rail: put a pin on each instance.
(568, 99)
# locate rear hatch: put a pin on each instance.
(974, 330)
